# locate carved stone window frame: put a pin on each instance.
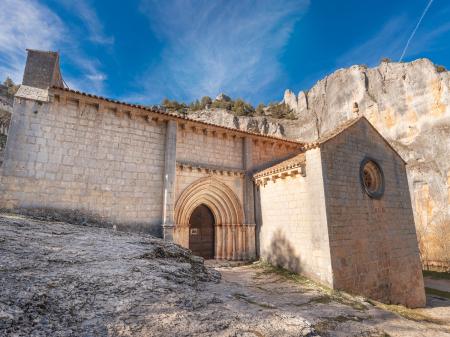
(371, 164)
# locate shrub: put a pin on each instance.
(174, 105)
(281, 110)
(260, 109)
(195, 106)
(242, 108)
(385, 60)
(440, 69)
(227, 105)
(205, 101)
(12, 87)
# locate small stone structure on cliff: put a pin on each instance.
(337, 210)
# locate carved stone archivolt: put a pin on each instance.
(234, 240)
(213, 193)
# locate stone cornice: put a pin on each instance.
(62, 95)
(281, 173)
(210, 169)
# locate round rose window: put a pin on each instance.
(372, 178)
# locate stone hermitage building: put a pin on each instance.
(337, 210)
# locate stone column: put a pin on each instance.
(170, 153)
(249, 203)
(249, 199)
(219, 242)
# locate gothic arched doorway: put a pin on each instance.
(231, 238)
(201, 232)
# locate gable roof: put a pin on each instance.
(299, 159)
(296, 161)
(347, 125)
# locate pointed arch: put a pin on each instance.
(220, 198)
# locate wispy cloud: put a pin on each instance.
(218, 46)
(30, 24)
(90, 19)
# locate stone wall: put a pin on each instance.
(294, 231)
(67, 156)
(373, 242)
(409, 104)
(199, 146)
(266, 153)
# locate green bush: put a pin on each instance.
(227, 105)
(174, 105)
(205, 101)
(281, 110)
(440, 69)
(195, 106)
(260, 109)
(12, 87)
(242, 108)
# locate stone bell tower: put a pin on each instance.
(42, 69)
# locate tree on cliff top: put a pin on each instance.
(12, 87)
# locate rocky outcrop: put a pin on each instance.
(223, 117)
(61, 279)
(409, 104)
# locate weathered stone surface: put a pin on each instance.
(409, 104)
(323, 225)
(223, 117)
(58, 279)
(223, 97)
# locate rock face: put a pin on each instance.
(66, 280)
(60, 279)
(223, 97)
(409, 104)
(223, 117)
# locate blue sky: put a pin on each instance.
(144, 50)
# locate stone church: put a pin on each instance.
(337, 210)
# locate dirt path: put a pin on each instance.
(267, 292)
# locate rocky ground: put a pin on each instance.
(58, 279)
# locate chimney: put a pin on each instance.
(42, 69)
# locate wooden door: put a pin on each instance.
(201, 232)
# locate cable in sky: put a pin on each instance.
(415, 29)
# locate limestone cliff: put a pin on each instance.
(223, 117)
(409, 103)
